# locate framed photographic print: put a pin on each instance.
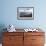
(25, 13)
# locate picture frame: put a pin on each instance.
(25, 13)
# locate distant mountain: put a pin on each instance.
(25, 14)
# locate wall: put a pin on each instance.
(9, 13)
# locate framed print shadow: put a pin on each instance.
(25, 13)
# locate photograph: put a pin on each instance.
(25, 13)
